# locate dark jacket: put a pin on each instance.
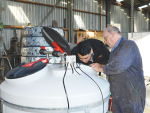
(125, 75)
(101, 53)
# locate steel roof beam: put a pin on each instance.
(144, 3)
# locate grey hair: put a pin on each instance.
(114, 29)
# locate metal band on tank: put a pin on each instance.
(85, 108)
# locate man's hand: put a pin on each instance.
(97, 67)
(95, 63)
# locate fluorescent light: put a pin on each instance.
(119, 0)
(143, 6)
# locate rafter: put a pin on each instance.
(123, 4)
(140, 1)
(143, 3)
(37, 3)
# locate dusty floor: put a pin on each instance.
(147, 110)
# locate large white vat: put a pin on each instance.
(44, 92)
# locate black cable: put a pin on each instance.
(75, 69)
(65, 87)
(97, 85)
(72, 68)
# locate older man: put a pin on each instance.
(125, 73)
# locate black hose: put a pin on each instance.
(97, 85)
(65, 87)
(75, 69)
(72, 68)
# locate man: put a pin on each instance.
(125, 73)
(91, 51)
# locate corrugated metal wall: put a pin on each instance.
(87, 5)
(140, 21)
(83, 20)
(18, 13)
(103, 11)
(103, 7)
(120, 17)
(103, 23)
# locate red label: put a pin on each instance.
(30, 64)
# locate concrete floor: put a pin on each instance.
(147, 110)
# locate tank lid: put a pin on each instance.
(53, 38)
(26, 69)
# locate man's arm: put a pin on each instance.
(97, 67)
(122, 60)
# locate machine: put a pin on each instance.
(41, 87)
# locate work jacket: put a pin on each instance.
(125, 75)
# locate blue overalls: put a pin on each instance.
(125, 75)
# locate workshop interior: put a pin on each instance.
(38, 73)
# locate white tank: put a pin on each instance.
(46, 92)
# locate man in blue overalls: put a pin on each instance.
(125, 73)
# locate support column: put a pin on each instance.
(148, 20)
(70, 20)
(108, 10)
(132, 18)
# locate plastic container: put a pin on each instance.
(48, 91)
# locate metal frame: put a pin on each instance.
(132, 18)
(85, 108)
